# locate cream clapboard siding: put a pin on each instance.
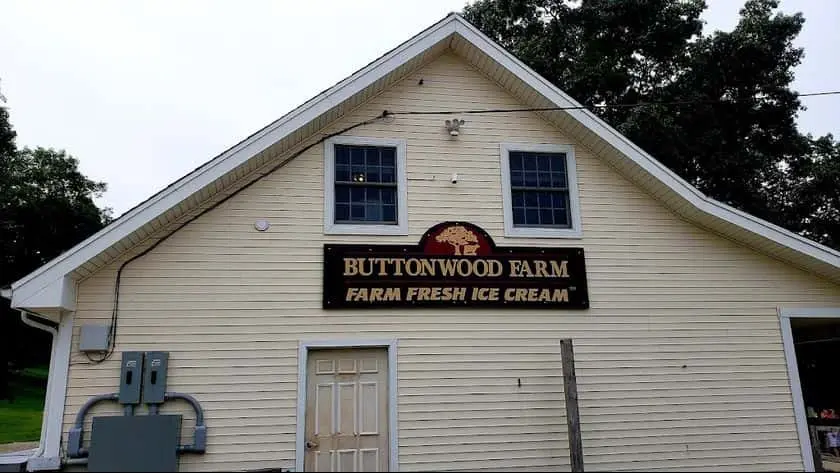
(680, 361)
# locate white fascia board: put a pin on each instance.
(641, 158)
(59, 293)
(232, 158)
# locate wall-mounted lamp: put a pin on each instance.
(454, 126)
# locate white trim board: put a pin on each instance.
(808, 253)
(785, 314)
(303, 358)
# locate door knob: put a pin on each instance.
(311, 444)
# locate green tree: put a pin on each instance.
(733, 134)
(46, 206)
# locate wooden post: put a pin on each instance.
(567, 355)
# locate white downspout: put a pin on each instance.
(24, 316)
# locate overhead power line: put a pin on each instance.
(586, 107)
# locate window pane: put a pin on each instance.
(519, 216)
(530, 163)
(547, 206)
(561, 218)
(372, 156)
(342, 212)
(388, 175)
(546, 217)
(342, 173)
(357, 194)
(545, 179)
(558, 163)
(388, 156)
(530, 178)
(531, 199)
(389, 213)
(374, 212)
(342, 156)
(342, 194)
(357, 201)
(558, 179)
(389, 195)
(532, 216)
(515, 161)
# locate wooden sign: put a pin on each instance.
(456, 264)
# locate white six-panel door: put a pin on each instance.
(347, 410)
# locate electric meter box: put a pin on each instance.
(131, 377)
(154, 377)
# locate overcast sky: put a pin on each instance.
(143, 92)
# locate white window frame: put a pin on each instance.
(332, 228)
(575, 231)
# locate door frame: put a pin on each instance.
(304, 347)
(785, 314)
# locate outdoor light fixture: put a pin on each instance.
(454, 126)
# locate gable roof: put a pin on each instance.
(53, 284)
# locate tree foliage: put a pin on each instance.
(46, 206)
(732, 133)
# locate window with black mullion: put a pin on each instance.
(539, 189)
(365, 184)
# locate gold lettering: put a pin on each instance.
(464, 267)
(412, 267)
(447, 267)
(435, 296)
(526, 268)
(459, 293)
(521, 294)
(351, 267)
(428, 267)
(392, 294)
(515, 268)
(382, 262)
(362, 271)
(351, 292)
(559, 270)
(480, 268)
(533, 294)
(411, 293)
(540, 268)
(495, 268)
(398, 265)
(376, 293)
(360, 294)
(424, 294)
(560, 295)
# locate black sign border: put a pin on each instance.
(582, 286)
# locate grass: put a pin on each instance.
(20, 420)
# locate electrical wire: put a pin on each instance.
(587, 107)
(112, 333)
